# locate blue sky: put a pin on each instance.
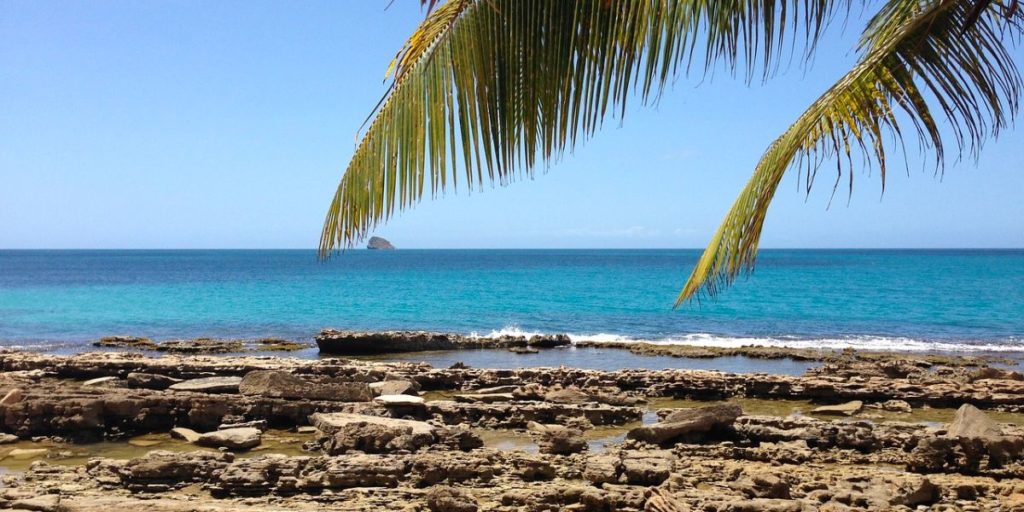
(187, 124)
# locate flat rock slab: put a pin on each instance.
(209, 385)
(185, 434)
(232, 438)
(847, 409)
(330, 423)
(399, 400)
(687, 422)
(281, 384)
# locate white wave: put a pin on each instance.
(882, 343)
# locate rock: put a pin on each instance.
(260, 425)
(377, 243)
(647, 467)
(926, 493)
(201, 346)
(232, 438)
(483, 398)
(894, 406)
(150, 381)
(359, 343)
(279, 345)
(557, 439)
(185, 434)
(567, 396)
(847, 409)
(971, 422)
(162, 470)
(26, 453)
(8, 438)
(449, 499)
(46, 503)
(331, 423)
(399, 401)
(523, 350)
(688, 423)
(549, 340)
(377, 437)
(209, 385)
(133, 342)
(12, 397)
(280, 384)
(395, 387)
(99, 380)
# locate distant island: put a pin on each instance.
(378, 243)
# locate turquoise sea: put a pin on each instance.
(902, 299)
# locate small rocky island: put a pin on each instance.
(377, 243)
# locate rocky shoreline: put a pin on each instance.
(276, 433)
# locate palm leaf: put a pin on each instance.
(486, 91)
(920, 60)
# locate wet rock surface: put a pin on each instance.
(627, 440)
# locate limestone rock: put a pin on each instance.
(185, 434)
(549, 340)
(99, 381)
(331, 423)
(557, 439)
(150, 380)
(687, 423)
(395, 387)
(232, 438)
(12, 397)
(280, 384)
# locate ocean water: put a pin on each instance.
(949, 300)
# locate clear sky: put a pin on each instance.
(188, 124)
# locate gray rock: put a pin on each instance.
(399, 401)
(549, 340)
(971, 422)
(209, 385)
(232, 438)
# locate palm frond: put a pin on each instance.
(919, 61)
(485, 91)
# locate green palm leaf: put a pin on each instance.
(485, 91)
(919, 60)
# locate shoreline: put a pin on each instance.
(298, 434)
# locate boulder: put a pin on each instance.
(376, 437)
(847, 409)
(209, 385)
(971, 422)
(281, 384)
(687, 423)
(8, 438)
(232, 438)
